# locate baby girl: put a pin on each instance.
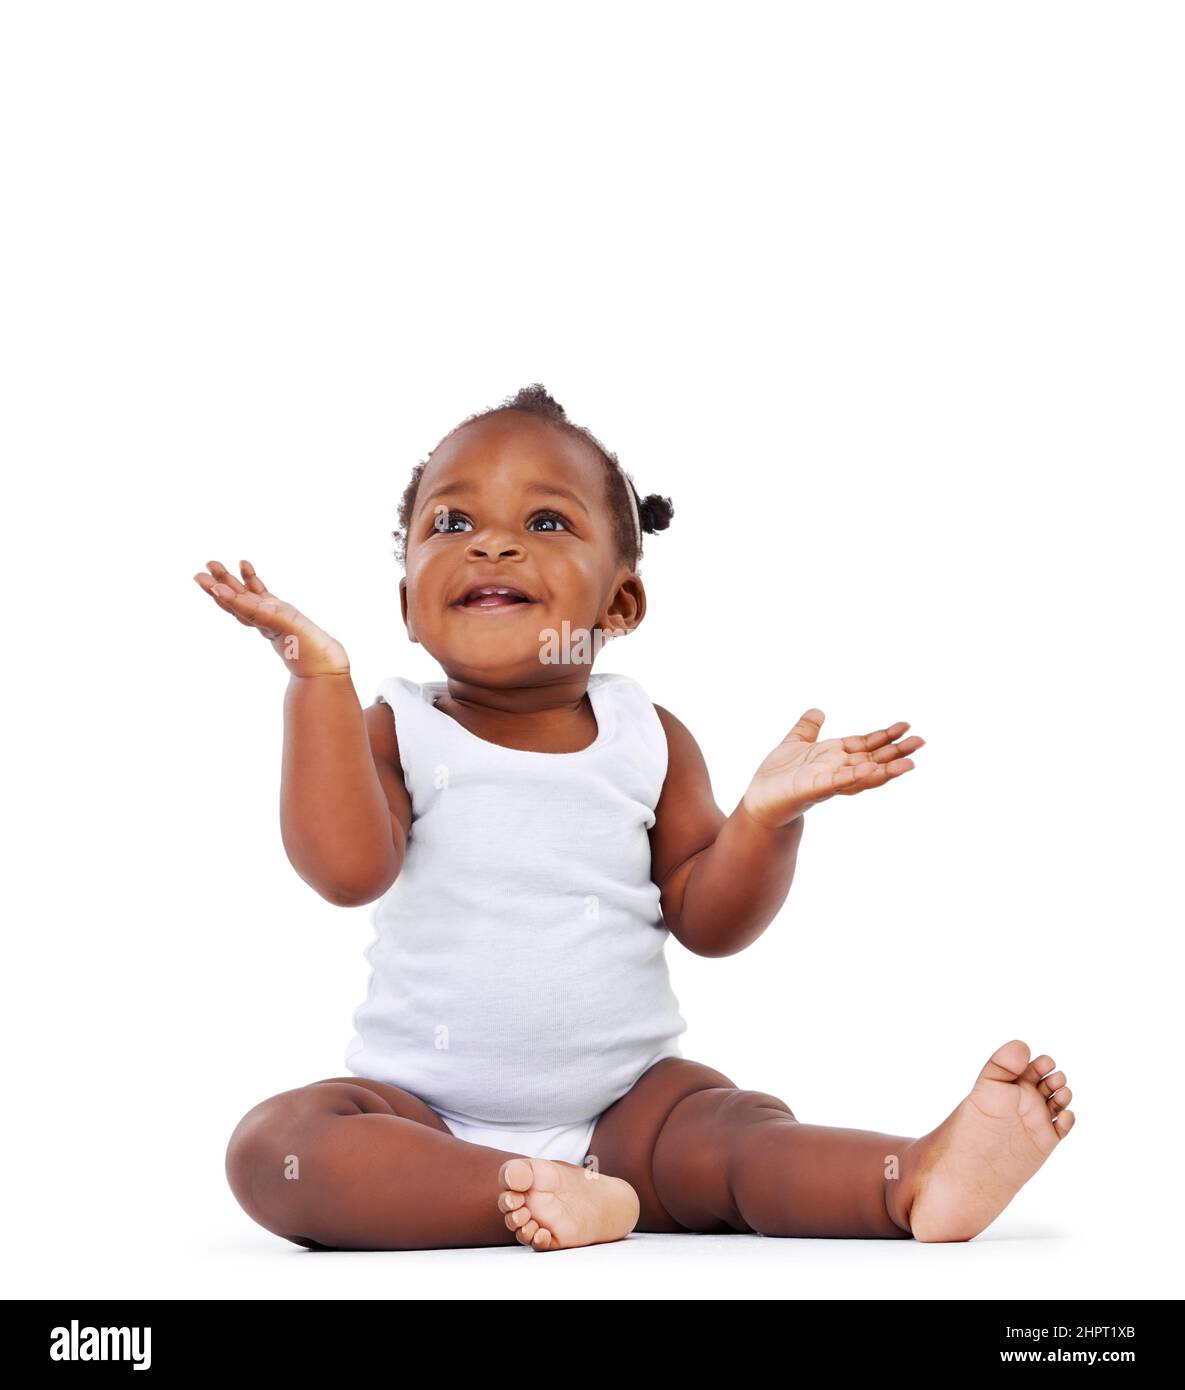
(530, 832)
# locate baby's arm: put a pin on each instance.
(723, 879)
(344, 810)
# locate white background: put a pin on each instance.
(886, 298)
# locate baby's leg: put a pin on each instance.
(351, 1164)
(724, 1159)
(707, 1156)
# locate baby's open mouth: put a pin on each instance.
(492, 596)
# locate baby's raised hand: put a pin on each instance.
(303, 647)
(801, 772)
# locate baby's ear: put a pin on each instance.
(655, 512)
(403, 609)
(628, 607)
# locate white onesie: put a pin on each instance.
(518, 978)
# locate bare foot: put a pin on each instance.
(959, 1178)
(554, 1206)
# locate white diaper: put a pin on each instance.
(564, 1143)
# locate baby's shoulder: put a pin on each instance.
(383, 737)
(686, 819)
(382, 731)
(682, 749)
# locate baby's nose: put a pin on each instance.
(500, 546)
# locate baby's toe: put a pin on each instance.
(1010, 1062)
(1039, 1067)
(1063, 1122)
(528, 1231)
(517, 1219)
(1060, 1098)
(1051, 1083)
(516, 1173)
(541, 1240)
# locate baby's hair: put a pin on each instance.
(654, 512)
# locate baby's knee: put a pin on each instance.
(761, 1103)
(730, 1108)
(265, 1152)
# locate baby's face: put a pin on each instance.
(511, 502)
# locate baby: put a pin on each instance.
(532, 831)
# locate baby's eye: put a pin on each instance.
(561, 524)
(446, 521)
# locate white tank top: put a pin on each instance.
(518, 974)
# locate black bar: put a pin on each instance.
(193, 1336)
